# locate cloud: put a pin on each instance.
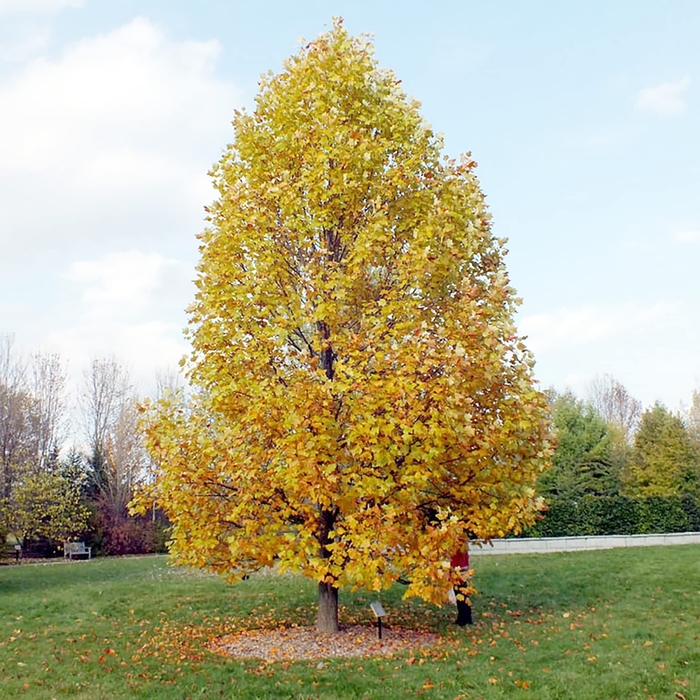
(665, 99)
(128, 305)
(143, 348)
(112, 139)
(687, 237)
(8, 7)
(569, 328)
(105, 149)
(120, 283)
(652, 349)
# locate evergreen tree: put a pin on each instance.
(665, 460)
(588, 455)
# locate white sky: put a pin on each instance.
(584, 120)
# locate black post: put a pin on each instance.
(464, 609)
(379, 627)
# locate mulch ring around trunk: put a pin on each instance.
(297, 643)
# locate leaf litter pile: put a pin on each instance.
(297, 643)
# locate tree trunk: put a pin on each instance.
(327, 620)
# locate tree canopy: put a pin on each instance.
(588, 456)
(665, 459)
(363, 403)
(39, 497)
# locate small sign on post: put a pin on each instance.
(378, 610)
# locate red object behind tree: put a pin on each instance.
(460, 560)
(460, 563)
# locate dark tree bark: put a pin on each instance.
(327, 620)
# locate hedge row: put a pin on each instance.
(617, 515)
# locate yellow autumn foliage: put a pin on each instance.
(363, 402)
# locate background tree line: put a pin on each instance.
(618, 469)
(69, 471)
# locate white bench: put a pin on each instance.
(76, 549)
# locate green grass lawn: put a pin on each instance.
(621, 623)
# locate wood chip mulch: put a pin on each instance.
(298, 643)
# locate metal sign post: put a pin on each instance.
(378, 610)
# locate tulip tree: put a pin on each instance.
(362, 401)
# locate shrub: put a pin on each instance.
(617, 515)
(662, 514)
(691, 506)
(116, 535)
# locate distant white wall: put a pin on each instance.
(535, 545)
